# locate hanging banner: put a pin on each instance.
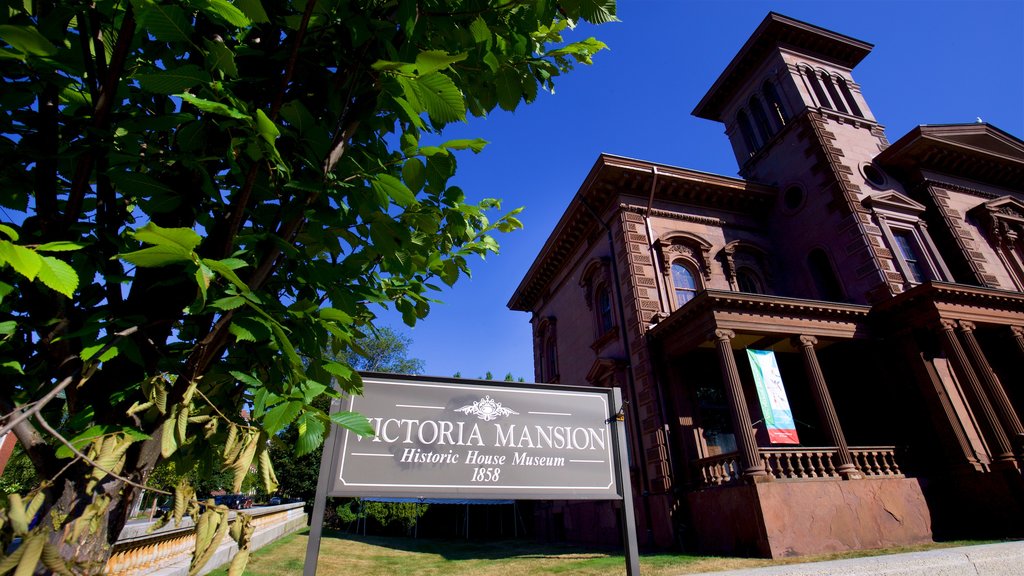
(778, 418)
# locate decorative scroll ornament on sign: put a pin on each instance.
(487, 409)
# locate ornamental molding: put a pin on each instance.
(487, 409)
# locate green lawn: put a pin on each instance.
(379, 556)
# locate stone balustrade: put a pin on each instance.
(800, 464)
(168, 550)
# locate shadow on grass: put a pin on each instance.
(480, 549)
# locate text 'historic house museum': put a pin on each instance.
(823, 355)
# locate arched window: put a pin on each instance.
(761, 119)
(605, 317)
(549, 366)
(684, 283)
(824, 277)
(775, 107)
(812, 78)
(748, 133)
(854, 108)
(747, 281)
(831, 87)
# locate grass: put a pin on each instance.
(381, 556)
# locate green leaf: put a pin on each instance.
(27, 40)
(415, 174)
(394, 189)
(343, 371)
(226, 11)
(173, 81)
(266, 127)
(213, 107)
(185, 238)
(311, 389)
(60, 246)
(335, 315)
(593, 11)
(311, 433)
(286, 345)
(162, 197)
(58, 276)
(475, 144)
(510, 91)
(229, 303)
(440, 98)
(85, 438)
(480, 31)
(281, 415)
(5, 289)
(87, 354)
(353, 421)
(165, 22)
(254, 10)
(24, 261)
(157, 256)
(225, 268)
(10, 232)
(250, 329)
(7, 327)
(433, 60)
(220, 57)
(12, 366)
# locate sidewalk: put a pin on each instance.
(1003, 559)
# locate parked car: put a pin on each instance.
(233, 501)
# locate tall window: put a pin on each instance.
(830, 85)
(605, 318)
(761, 119)
(684, 283)
(748, 282)
(911, 254)
(819, 92)
(854, 108)
(775, 107)
(748, 133)
(550, 364)
(824, 277)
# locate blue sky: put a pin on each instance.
(934, 62)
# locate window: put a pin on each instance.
(824, 276)
(854, 108)
(748, 282)
(748, 133)
(819, 92)
(684, 283)
(910, 252)
(761, 119)
(550, 366)
(830, 85)
(775, 107)
(605, 318)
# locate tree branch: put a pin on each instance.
(46, 426)
(101, 112)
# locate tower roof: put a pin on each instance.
(774, 31)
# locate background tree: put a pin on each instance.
(382, 350)
(213, 193)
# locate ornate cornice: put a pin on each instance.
(669, 215)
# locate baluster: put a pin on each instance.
(830, 467)
(885, 462)
(798, 466)
(819, 466)
(896, 466)
(873, 459)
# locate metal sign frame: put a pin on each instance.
(340, 442)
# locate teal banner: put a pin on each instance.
(778, 418)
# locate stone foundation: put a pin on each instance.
(778, 519)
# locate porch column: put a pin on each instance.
(975, 395)
(1018, 336)
(993, 387)
(750, 460)
(826, 410)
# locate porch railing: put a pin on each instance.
(800, 464)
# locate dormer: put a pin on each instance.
(786, 67)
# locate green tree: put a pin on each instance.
(214, 193)
(384, 350)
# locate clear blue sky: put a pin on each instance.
(934, 62)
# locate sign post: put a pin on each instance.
(438, 438)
